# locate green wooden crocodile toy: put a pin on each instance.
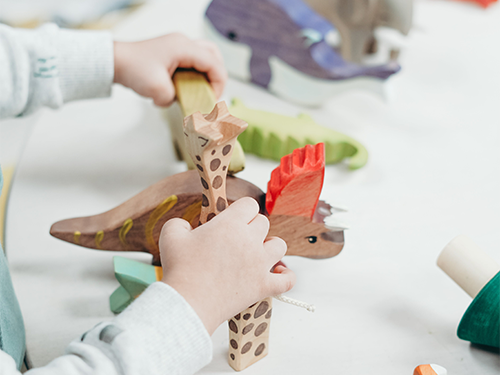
(272, 136)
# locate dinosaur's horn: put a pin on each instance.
(296, 184)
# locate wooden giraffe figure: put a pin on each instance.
(210, 140)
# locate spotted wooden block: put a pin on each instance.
(249, 335)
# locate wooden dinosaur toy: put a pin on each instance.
(271, 135)
(136, 224)
(194, 93)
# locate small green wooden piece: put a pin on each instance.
(134, 277)
(12, 336)
(271, 135)
(481, 322)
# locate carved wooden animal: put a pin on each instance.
(271, 135)
(210, 141)
(136, 224)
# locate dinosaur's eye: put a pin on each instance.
(232, 35)
(312, 239)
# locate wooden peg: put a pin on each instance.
(194, 93)
(467, 264)
(479, 276)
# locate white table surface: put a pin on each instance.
(383, 306)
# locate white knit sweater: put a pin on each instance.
(159, 333)
(50, 66)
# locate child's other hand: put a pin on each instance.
(224, 266)
(147, 67)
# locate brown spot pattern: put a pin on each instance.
(232, 356)
(221, 204)
(198, 157)
(226, 150)
(247, 316)
(199, 167)
(248, 328)
(217, 182)
(213, 152)
(269, 313)
(204, 200)
(259, 350)
(252, 305)
(234, 344)
(260, 329)
(232, 326)
(246, 347)
(204, 183)
(214, 164)
(210, 216)
(224, 168)
(261, 309)
(237, 317)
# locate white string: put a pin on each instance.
(291, 301)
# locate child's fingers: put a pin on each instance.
(281, 282)
(244, 210)
(175, 226)
(162, 91)
(260, 226)
(202, 60)
(212, 47)
(275, 248)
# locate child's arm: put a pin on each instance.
(51, 66)
(212, 272)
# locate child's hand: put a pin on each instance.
(147, 67)
(224, 266)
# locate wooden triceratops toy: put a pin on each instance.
(296, 217)
(199, 195)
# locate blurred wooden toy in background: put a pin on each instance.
(483, 3)
(478, 275)
(271, 135)
(136, 224)
(194, 93)
(367, 30)
(281, 45)
(430, 370)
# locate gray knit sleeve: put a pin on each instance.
(51, 66)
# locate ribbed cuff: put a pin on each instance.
(86, 64)
(161, 323)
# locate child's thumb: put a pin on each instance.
(281, 281)
(175, 227)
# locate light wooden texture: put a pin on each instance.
(210, 142)
(466, 264)
(249, 335)
(194, 93)
(8, 173)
